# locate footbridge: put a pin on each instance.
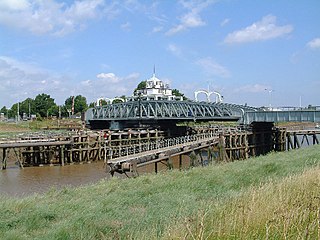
(130, 114)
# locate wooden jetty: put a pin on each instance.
(226, 145)
(125, 151)
(82, 147)
(299, 138)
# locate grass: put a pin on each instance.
(13, 129)
(285, 209)
(269, 197)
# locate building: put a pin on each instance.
(155, 90)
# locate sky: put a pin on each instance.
(259, 53)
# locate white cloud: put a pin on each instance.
(59, 18)
(255, 88)
(126, 26)
(211, 67)
(192, 18)
(108, 77)
(50, 16)
(259, 31)
(174, 49)
(14, 4)
(157, 29)
(108, 85)
(20, 80)
(314, 43)
(225, 22)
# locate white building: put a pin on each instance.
(155, 90)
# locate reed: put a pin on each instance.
(285, 209)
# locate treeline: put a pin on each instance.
(43, 105)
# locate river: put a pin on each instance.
(21, 182)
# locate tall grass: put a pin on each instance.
(287, 209)
(219, 201)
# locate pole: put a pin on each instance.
(18, 116)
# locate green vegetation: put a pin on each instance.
(44, 106)
(177, 93)
(142, 85)
(12, 129)
(268, 197)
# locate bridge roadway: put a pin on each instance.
(282, 116)
(151, 152)
(162, 111)
(167, 113)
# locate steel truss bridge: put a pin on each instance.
(127, 114)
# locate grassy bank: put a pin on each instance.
(273, 196)
(13, 129)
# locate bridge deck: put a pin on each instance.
(156, 153)
(33, 144)
(282, 116)
(166, 111)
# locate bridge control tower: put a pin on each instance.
(156, 90)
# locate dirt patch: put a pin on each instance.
(12, 128)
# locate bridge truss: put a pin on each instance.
(166, 110)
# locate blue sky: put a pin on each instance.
(254, 52)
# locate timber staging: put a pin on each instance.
(125, 151)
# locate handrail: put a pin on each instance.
(115, 152)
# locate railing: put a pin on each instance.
(115, 152)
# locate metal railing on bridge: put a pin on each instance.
(178, 110)
(282, 116)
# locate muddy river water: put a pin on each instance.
(23, 182)
(20, 182)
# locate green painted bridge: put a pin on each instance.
(128, 114)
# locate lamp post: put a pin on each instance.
(270, 96)
(18, 113)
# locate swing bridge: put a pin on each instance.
(163, 113)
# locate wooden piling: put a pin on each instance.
(4, 158)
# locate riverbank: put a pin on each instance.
(273, 196)
(11, 128)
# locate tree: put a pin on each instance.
(53, 111)
(43, 102)
(80, 104)
(4, 110)
(13, 111)
(92, 105)
(141, 85)
(27, 106)
(118, 100)
(177, 93)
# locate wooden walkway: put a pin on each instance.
(126, 151)
(154, 152)
(225, 146)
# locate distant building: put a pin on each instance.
(155, 90)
